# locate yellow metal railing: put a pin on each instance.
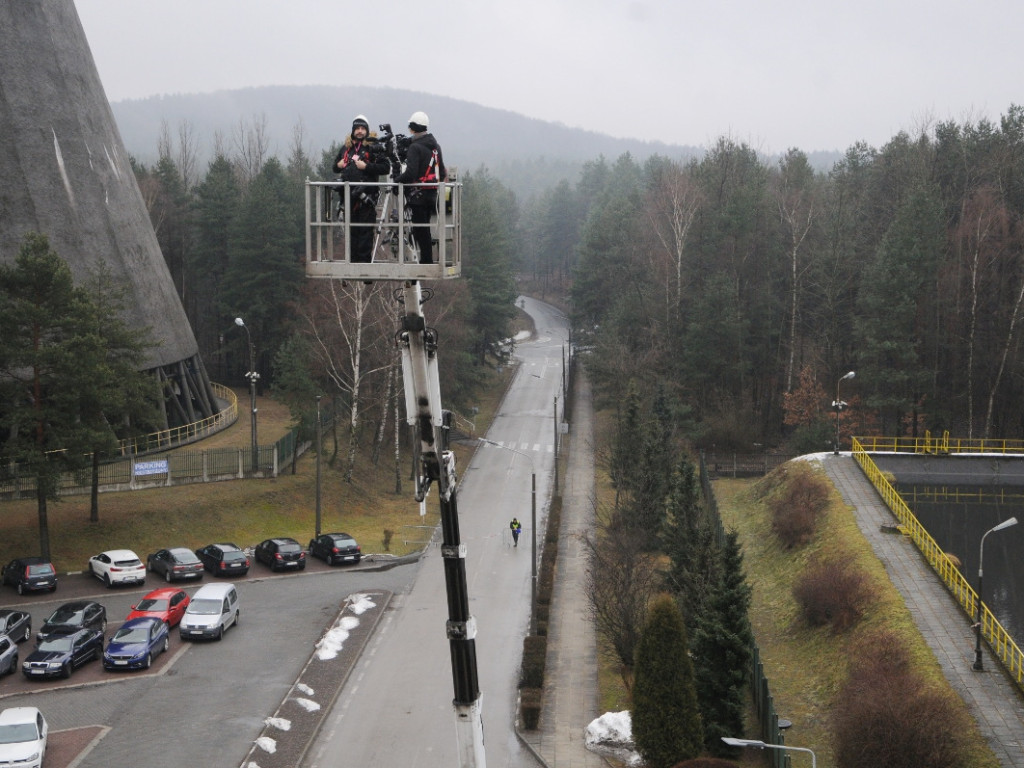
(940, 445)
(1004, 647)
(186, 433)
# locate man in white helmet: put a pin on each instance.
(360, 160)
(424, 167)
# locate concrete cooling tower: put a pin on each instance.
(64, 172)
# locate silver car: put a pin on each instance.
(8, 655)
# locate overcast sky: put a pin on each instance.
(791, 73)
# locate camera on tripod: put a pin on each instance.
(397, 144)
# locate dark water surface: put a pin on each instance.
(957, 518)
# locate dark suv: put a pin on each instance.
(30, 574)
(281, 554)
(224, 559)
(335, 548)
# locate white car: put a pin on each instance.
(23, 732)
(118, 566)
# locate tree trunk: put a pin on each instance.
(44, 527)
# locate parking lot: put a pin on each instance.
(201, 702)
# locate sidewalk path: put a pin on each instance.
(992, 699)
(570, 686)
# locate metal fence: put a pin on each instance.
(1003, 646)
(177, 468)
(744, 464)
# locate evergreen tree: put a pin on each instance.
(265, 269)
(689, 541)
(218, 197)
(665, 720)
(42, 378)
(721, 647)
(118, 399)
(892, 324)
(488, 222)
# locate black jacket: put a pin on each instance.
(367, 151)
(417, 160)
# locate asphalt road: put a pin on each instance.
(396, 708)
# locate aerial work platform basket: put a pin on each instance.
(394, 254)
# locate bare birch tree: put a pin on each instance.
(350, 328)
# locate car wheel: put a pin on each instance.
(106, 580)
(167, 644)
(103, 626)
(167, 576)
(148, 662)
(220, 634)
(21, 588)
(65, 671)
(53, 588)
(28, 634)
(329, 559)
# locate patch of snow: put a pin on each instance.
(267, 744)
(612, 734)
(305, 689)
(361, 604)
(614, 728)
(279, 723)
(306, 704)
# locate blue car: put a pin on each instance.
(135, 644)
(59, 655)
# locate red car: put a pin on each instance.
(167, 603)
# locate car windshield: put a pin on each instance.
(205, 607)
(130, 563)
(59, 644)
(18, 732)
(67, 616)
(150, 604)
(236, 555)
(131, 635)
(289, 548)
(184, 556)
(40, 570)
(339, 542)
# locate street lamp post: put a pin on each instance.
(978, 664)
(533, 531)
(762, 745)
(838, 404)
(319, 447)
(253, 377)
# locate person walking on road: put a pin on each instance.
(517, 528)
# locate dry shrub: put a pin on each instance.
(833, 591)
(705, 762)
(530, 700)
(535, 650)
(886, 714)
(800, 502)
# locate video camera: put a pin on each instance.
(397, 144)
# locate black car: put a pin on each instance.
(71, 617)
(17, 625)
(176, 563)
(281, 554)
(60, 655)
(335, 548)
(30, 574)
(224, 559)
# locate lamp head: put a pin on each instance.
(850, 375)
(240, 322)
(1006, 524)
(742, 742)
